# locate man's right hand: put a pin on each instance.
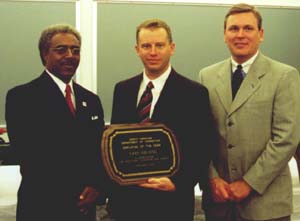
(220, 190)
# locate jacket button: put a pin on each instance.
(230, 146)
(230, 123)
(233, 169)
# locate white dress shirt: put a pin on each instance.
(62, 86)
(246, 65)
(158, 84)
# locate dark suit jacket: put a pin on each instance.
(58, 154)
(183, 106)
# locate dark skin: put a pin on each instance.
(62, 60)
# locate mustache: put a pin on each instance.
(69, 61)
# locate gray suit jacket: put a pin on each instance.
(258, 134)
(297, 158)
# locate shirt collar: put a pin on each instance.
(246, 65)
(159, 82)
(61, 85)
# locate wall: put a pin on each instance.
(21, 24)
(197, 32)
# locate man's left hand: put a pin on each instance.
(162, 183)
(239, 190)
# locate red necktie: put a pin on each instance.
(69, 99)
(144, 106)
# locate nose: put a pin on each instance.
(240, 33)
(153, 49)
(69, 52)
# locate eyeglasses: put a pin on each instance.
(64, 49)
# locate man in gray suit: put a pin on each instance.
(258, 128)
(297, 158)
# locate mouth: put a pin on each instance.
(153, 61)
(68, 66)
(240, 45)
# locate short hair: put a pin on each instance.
(49, 32)
(244, 8)
(154, 24)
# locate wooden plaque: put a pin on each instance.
(132, 153)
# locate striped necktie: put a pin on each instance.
(144, 106)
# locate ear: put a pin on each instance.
(45, 56)
(136, 48)
(224, 36)
(172, 46)
(261, 33)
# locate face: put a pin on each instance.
(155, 50)
(242, 36)
(63, 56)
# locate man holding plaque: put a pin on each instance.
(161, 95)
(55, 133)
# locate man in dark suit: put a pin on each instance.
(180, 104)
(56, 139)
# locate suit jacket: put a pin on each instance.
(183, 106)
(297, 158)
(58, 154)
(258, 134)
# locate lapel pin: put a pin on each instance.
(94, 117)
(84, 104)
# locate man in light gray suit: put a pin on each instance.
(297, 158)
(259, 127)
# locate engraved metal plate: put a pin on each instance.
(132, 153)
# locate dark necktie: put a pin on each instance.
(69, 99)
(236, 80)
(144, 106)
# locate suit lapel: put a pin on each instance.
(131, 97)
(134, 90)
(81, 103)
(165, 95)
(53, 96)
(250, 84)
(223, 88)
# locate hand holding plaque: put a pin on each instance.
(132, 153)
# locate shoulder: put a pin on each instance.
(214, 67)
(83, 91)
(275, 69)
(185, 84)
(129, 82)
(25, 89)
(24, 96)
(209, 75)
(278, 66)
